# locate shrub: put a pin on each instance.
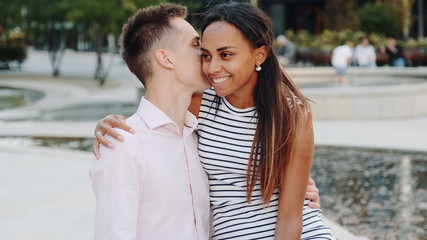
(413, 43)
(328, 40)
(379, 18)
(13, 47)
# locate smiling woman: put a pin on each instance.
(243, 122)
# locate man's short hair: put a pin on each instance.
(145, 32)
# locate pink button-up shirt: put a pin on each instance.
(152, 185)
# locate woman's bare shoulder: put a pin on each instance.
(196, 101)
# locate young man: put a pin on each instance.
(365, 54)
(152, 186)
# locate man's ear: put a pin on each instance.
(164, 58)
(261, 54)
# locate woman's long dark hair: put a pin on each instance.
(278, 101)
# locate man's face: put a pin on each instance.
(188, 63)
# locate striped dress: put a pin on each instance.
(225, 142)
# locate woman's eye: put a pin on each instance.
(226, 55)
(205, 56)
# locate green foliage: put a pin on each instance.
(44, 20)
(379, 18)
(46, 11)
(415, 43)
(11, 13)
(328, 40)
(192, 5)
(108, 14)
(302, 38)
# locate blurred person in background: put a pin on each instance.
(364, 53)
(341, 59)
(286, 50)
(395, 53)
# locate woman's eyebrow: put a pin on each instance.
(219, 49)
(224, 48)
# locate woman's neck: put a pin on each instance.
(241, 102)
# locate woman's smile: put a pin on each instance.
(219, 81)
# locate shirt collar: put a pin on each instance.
(154, 117)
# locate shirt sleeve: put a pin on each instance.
(115, 183)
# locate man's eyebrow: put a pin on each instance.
(219, 49)
(196, 38)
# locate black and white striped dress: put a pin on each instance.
(225, 142)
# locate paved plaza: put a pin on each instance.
(46, 192)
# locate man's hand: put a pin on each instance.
(312, 193)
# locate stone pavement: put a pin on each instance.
(46, 192)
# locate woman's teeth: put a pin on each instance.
(220, 80)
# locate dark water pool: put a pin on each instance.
(381, 194)
(82, 112)
(15, 97)
(89, 111)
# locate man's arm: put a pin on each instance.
(116, 185)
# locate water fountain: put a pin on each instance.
(380, 93)
(378, 193)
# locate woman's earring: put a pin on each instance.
(258, 67)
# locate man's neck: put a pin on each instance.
(173, 103)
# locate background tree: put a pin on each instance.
(375, 16)
(193, 6)
(11, 14)
(46, 23)
(12, 39)
(104, 17)
(404, 11)
(339, 15)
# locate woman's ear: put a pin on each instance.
(261, 54)
(164, 58)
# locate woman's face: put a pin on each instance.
(229, 63)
